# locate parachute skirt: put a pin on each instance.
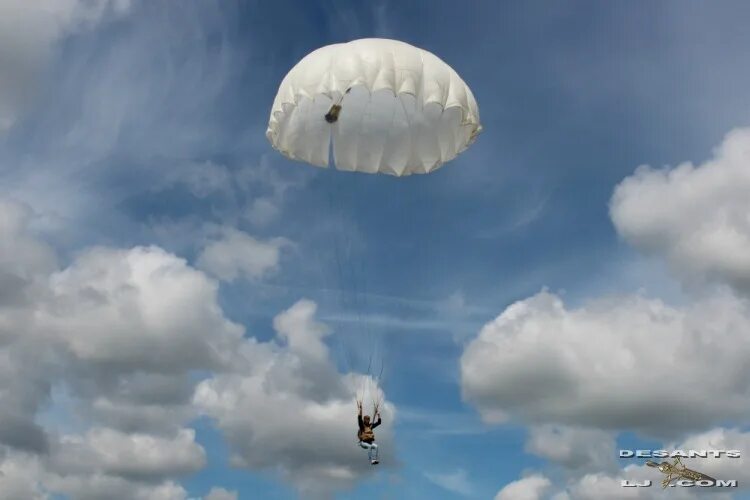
(399, 110)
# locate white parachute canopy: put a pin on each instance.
(387, 106)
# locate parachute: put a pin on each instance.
(380, 107)
(385, 106)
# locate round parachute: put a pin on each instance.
(382, 106)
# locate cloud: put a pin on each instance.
(580, 375)
(302, 334)
(20, 478)
(696, 217)
(587, 483)
(25, 366)
(262, 211)
(233, 197)
(287, 409)
(237, 254)
(119, 333)
(203, 179)
(130, 455)
(27, 477)
(596, 486)
(137, 401)
(221, 494)
(21, 255)
(28, 34)
(573, 447)
(137, 309)
(135, 111)
(600, 485)
(269, 190)
(123, 333)
(610, 364)
(455, 482)
(99, 487)
(719, 438)
(529, 488)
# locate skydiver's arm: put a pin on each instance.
(360, 422)
(375, 424)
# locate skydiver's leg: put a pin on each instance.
(372, 451)
(368, 447)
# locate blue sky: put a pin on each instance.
(141, 124)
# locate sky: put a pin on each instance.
(186, 314)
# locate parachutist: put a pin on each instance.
(366, 435)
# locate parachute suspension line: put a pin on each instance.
(376, 394)
(359, 294)
(349, 294)
(352, 279)
(355, 290)
(336, 246)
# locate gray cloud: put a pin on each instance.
(237, 254)
(573, 447)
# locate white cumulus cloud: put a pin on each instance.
(131, 455)
(287, 409)
(697, 217)
(613, 364)
(112, 342)
(137, 309)
(118, 332)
